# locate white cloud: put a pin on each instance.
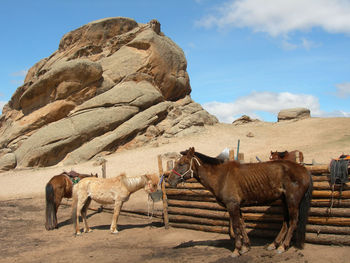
(343, 90)
(21, 73)
(279, 18)
(264, 102)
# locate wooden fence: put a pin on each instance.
(192, 206)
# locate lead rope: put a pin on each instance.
(150, 206)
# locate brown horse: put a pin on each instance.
(294, 156)
(58, 187)
(115, 190)
(234, 185)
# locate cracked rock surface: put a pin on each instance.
(111, 83)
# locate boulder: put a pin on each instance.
(112, 82)
(243, 120)
(293, 114)
(7, 162)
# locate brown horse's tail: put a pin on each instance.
(74, 205)
(304, 208)
(51, 220)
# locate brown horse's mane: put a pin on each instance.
(205, 158)
(73, 174)
(282, 154)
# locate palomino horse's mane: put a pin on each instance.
(206, 159)
(131, 182)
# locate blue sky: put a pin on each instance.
(252, 57)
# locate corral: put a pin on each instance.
(192, 206)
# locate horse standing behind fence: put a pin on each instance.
(294, 156)
(234, 184)
(116, 190)
(58, 187)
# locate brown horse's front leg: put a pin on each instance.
(281, 235)
(233, 209)
(246, 242)
(293, 215)
(117, 207)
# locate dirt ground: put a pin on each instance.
(140, 239)
(23, 237)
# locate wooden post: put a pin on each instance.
(240, 157)
(169, 165)
(103, 162)
(165, 201)
(231, 155)
(104, 169)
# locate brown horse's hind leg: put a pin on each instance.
(58, 200)
(233, 209)
(281, 235)
(293, 215)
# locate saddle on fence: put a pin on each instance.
(339, 169)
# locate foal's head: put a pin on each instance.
(183, 168)
(152, 183)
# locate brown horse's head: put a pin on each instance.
(274, 155)
(278, 155)
(183, 168)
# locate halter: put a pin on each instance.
(188, 171)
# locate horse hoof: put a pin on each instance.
(78, 233)
(114, 232)
(244, 250)
(271, 247)
(87, 231)
(280, 250)
(235, 253)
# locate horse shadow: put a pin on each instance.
(122, 227)
(226, 243)
(218, 243)
(69, 220)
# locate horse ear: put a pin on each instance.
(191, 152)
(184, 152)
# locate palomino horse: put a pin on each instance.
(116, 190)
(58, 187)
(294, 156)
(234, 185)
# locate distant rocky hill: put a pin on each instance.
(111, 83)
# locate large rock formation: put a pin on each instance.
(111, 83)
(293, 114)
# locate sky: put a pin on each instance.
(244, 57)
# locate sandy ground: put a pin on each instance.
(24, 238)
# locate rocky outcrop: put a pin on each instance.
(244, 120)
(112, 83)
(293, 114)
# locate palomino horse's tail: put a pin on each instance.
(74, 205)
(304, 208)
(51, 220)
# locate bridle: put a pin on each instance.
(190, 170)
